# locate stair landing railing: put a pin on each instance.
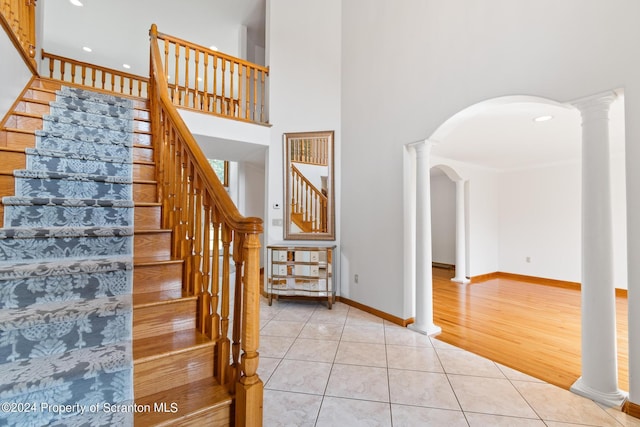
(213, 82)
(93, 76)
(208, 234)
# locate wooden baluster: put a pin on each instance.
(93, 77)
(215, 291)
(249, 390)
(223, 343)
(254, 110)
(73, 73)
(230, 107)
(167, 208)
(180, 180)
(239, 105)
(262, 86)
(197, 99)
(32, 28)
(176, 77)
(187, 49)
(308, 197)
(314, 212)
(51, 67)
(247, 95)
(175, 179)
(224, 103)
(206, 305)
(206, 82)
(294, 192)
(189, 241)
(215, 84)
(63, 65)
(166, 58)
(84, 75)
(104, 77)
(238, 252)
(183, 192)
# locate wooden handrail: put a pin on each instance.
(205, 222)
(94, 76)
(308, 201)
(18, 17)
(214, 82)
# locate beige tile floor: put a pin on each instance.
(344, 367)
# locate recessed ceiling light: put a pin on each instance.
(86, 49)
(213, 47)
(76, 2)
(542, 118)
(127, 66)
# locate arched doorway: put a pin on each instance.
(500, 239)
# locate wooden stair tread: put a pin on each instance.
(153, 231)
(145, 349)
(34, 100)
(190, 400)
(149, 299)
(140, 261)
(18, 130)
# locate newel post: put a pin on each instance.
(250, 387)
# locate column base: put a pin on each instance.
(425, 329)
(613, 400)
(462, 280)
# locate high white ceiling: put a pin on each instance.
(117, 31)
(501, 136)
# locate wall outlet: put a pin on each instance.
(276, 222)
(528, 259)
(355, 278)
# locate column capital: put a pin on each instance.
(423, 145)
(595, 104)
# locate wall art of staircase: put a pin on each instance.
(66, 269)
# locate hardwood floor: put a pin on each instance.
(529, 327)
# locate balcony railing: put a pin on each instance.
(93, 76)
(213, 82)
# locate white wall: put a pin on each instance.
(540, 219)
(14, 74)
(303, 54)
(438, 58)
(443, 219)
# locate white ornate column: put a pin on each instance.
(599, 380)
(424, 278)
(461, 246)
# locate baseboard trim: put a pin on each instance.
(622, 293)
(484, 277)
(386, 316)
(631, 408)
(443, 265)
(540, 280)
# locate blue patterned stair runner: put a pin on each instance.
(66, 269)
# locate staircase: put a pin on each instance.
(173, 362)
